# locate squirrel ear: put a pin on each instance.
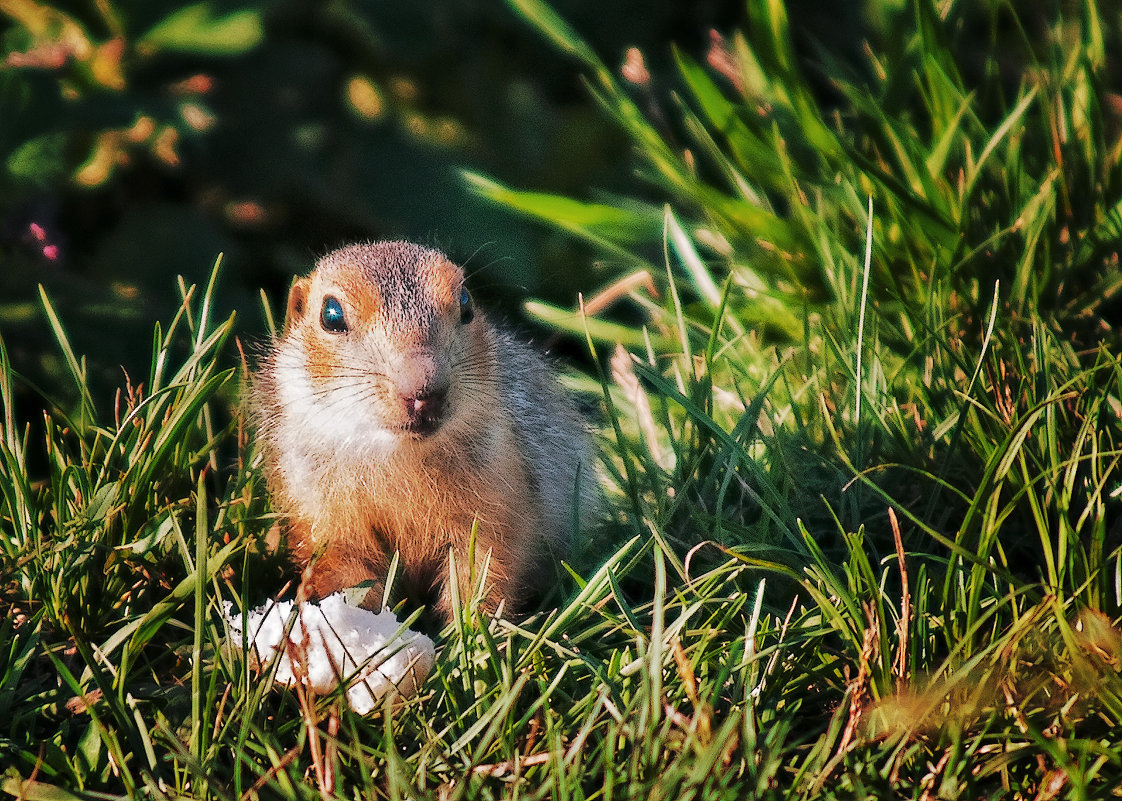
(297, 302)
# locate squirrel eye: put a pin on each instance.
(331, 317)
(466, 312)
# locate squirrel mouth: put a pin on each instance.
(424, 414)
(421, 428)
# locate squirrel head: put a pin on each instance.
(387, 334)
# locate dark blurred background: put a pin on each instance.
(141, 138)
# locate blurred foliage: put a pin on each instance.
(140, 138)
(974, 135)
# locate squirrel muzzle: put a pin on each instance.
(421, 387)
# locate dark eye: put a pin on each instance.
(466, 312)
(331, 317)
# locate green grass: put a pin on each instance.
(866, 534)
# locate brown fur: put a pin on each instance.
(354, 483)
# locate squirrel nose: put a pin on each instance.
(423, 411)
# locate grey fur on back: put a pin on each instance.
(559, 453)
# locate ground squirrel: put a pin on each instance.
(392, 414)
